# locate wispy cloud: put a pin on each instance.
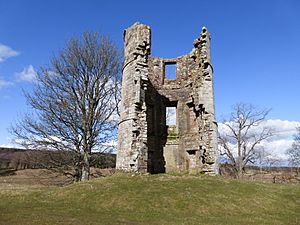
(27, 74)
(7, 52)
(5, 83)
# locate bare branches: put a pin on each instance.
(240, 143)
(294, 152)
(75, 99)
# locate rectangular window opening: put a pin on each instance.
(170, 71)
(191, 152)
(170, 116)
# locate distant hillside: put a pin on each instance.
(13, 158)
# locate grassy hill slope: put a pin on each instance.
(152, 199)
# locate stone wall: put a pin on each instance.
(146, 143)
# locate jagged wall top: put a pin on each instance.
(138, 36)
(203, 43)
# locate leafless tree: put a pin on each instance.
(75, 101)
(294, 152)
(243, 132)
(266, 160)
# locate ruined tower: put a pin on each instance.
(147, 143)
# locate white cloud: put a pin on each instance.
(277, 148)
(28, 74)
(8, 142)
(7, 52)
(9, 145)
(171, 115)
(282, 140)
(283, 137)
(112, 143)
(5, 83)
(284, 129)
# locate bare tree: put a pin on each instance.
(294, 152)
(74, 101)
(266, 160)
(243, 132)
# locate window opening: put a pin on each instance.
(170, 71)
(170, 116)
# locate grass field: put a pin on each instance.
(151, 199)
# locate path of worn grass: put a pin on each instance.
(153, 199)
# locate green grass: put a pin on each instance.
(152, 199)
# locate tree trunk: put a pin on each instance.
(85, 174)
(239, 168)
(239, 173)
(78, 172)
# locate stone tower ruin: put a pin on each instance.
(146, 143)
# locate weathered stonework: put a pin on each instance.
(146, 143)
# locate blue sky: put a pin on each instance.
(255, 45)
